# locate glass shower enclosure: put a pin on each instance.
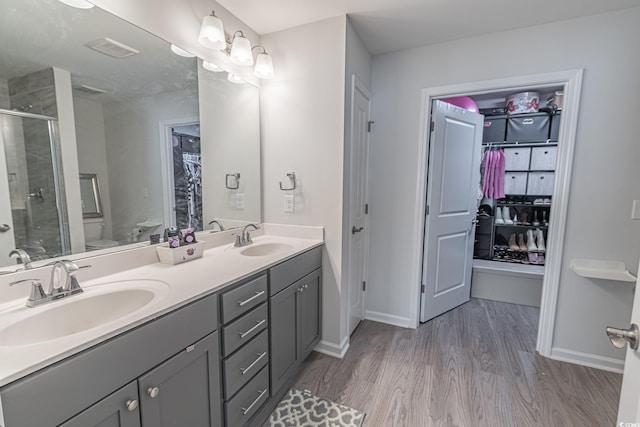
(31, 187)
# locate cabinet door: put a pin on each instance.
(119, 409)
(284, 335)
(184, 390)
(309, 313)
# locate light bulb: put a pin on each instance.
(241, 51)
(212, 33)
(234, 79)
(264, 66)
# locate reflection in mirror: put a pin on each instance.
(106, 98)
(90, 196)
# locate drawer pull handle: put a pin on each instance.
(246, 410)
(247, 301)
(153, 392)
(260, 356)
(131, 405)
(256, 326)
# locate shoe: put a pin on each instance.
(544, 218)
(531, 244)
(499, 219)
(506, 216)
(535, 221)
(515, 219)
(546, 202)
(538, 202)
(540, 240)
(524, 217)
(512, 243)
(521, 244)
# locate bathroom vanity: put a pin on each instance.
(224, 342)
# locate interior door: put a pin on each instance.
(629, 409)
(452, 188)
(7, 239)
(358, 209)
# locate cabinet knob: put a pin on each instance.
(153, 392)
(132, 405)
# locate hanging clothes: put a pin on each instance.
(492, 171)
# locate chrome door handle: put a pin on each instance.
(4, 228)
(247, 301)
(248, 408)
(355, 229)
(475, 221)
(256, 326)
(260, 356)
(620, 337)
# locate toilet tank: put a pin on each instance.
(93, 229)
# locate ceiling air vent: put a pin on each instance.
(112, 48)
(90, 90)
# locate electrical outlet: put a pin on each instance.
(289, 203)
(635, 209)
(240, 201)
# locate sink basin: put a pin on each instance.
(264, 249)
(96, 306)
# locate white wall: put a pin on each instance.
(92, 151)
(302, 124)
(230, 136)
(358, 62)
(133, 144)
(605, 173)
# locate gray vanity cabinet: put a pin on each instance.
(295, 310)
(119, 409)
(184, 390)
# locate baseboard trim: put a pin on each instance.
(332, 349)
(403, 322)
(586, 359)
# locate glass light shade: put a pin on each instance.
(179, 51)
(234, 79)
(241, 51)
(264, 66)
(211, 67)
(212, 33)
(80, 4)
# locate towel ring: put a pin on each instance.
(236, 176)
(292, 178)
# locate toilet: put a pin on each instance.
(93, 228)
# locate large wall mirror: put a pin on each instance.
(85, 94)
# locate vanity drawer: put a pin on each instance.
(243, 298)
(242, 330)
(284, 274)
(239, 368)
(249, 400)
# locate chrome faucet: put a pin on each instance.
(23, 258)
(244, 238)
(215, 221)
(69, 287)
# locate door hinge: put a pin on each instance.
(426, 210)
(433, 126)
(366, 208)
(370, 125)
(364, 286)
(423, 289)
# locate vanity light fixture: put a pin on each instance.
(264, 65)
(181, 52)
(234, 79)
(211, 67)
(80, 4)
(240, 53)
(212, 32)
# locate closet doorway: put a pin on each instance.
(570, 83)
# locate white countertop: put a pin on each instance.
(220, 266)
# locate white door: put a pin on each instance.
(629, 409)
(7, 240)
(452, 189)
(358, 177)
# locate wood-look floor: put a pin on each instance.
(473, 366)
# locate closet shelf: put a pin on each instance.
(599, 269)
(542, 227)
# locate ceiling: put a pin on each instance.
(389, 25)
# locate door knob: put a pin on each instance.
(153, 392)
(475, 221)
(4, 228)
(620, 337)
(132, 405)
(355, 229)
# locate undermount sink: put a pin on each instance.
(96, 306)
(264, 249)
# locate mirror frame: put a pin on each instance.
(93, 179)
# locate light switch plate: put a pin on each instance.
(635, 209)
(240, 201)
(289, 203)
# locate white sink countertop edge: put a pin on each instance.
(219, 267)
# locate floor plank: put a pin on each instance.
(475, 365)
